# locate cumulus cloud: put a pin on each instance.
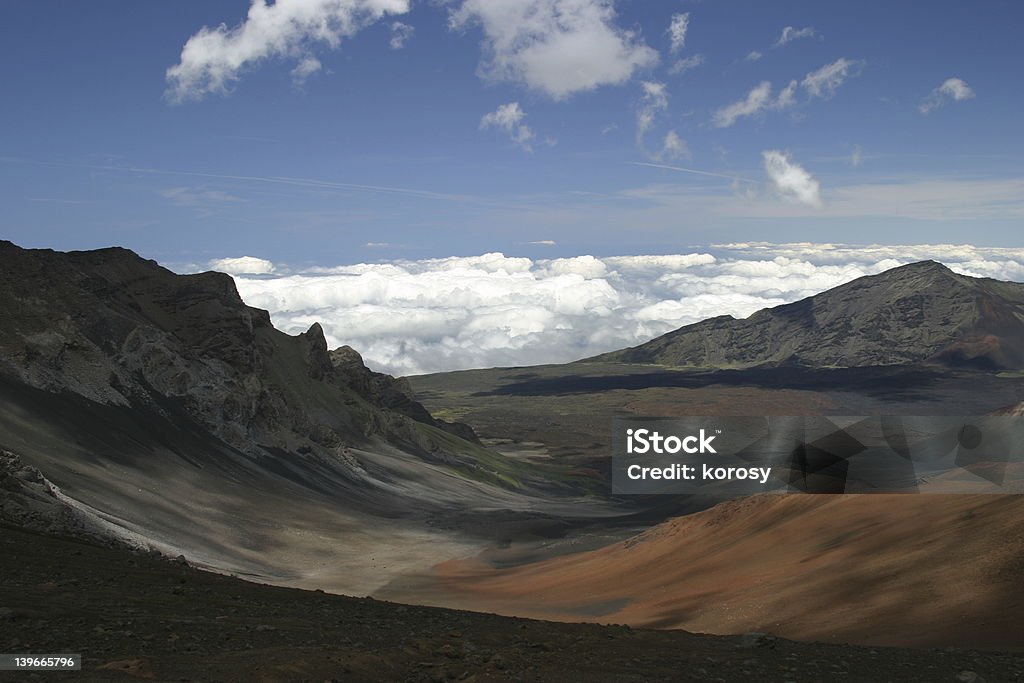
(953, 89)
(791, 180)
(681, 66)
(824, 81)
(428, 315)
(214, 58)
(791, 33)
(559, 47)
(400, 35)
(509, 118)
(757, 100)
(677, 29)
(243, 265)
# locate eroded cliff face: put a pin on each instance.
(116, 329)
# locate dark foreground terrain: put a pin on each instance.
(136, 616)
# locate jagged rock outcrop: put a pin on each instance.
(391, 393)
(116, 329)
(920, 313)
(29, 500)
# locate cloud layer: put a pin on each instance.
(430, 315)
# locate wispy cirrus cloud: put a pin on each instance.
(509, 118)
(759, 99)
(825, 81)
(681, 66)
(951, 90)
(653, 102)
(820, 83)
(791, 33)
(677, 29)
(673, 147)
(306, 68)
(401, 33)
(188, 196)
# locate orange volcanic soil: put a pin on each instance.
(877, 569)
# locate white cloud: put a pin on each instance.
(213, 59)
(243, 265)
(544, 243)
(787, 96)
(673, 147)
(559, 47)
(653, 102)
(821, 83)
(954, 89)
(400, 34)
(757, 100)
(790, 33)
(444, 314)
(791, 180)
(753, 56)
(824, 81)
(677, 29)
(509, 118)
(306, 68)
(681, 66)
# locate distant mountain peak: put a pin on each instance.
(921, 312)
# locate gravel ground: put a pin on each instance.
(137, 616)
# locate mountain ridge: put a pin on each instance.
(918, 313)
(177, 418)
(118, 329)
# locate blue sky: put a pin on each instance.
(902, 126)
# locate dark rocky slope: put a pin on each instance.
(113, 328)
(177, 417)
(919, 313)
